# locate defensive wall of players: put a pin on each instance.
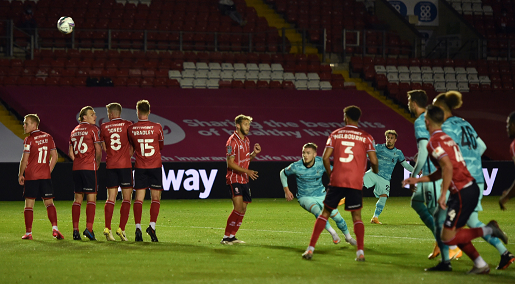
(201, 180)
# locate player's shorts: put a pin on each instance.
(85, 181)
(382, 186)
(119, 178)
(307, 202)
(481, 186)
(41, 187)
(353, 198)
(243, 190)
(460, 205)
(148, 178)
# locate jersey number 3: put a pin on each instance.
(348, 150)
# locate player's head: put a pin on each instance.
(434, 117)
(30, 123)
(351, 115)
(391, 138)
(242, 123)
(448, 101)
(114, 110)
(510, 125)
(143, 108)
(309, 152)
(416, 98)
(87, 114)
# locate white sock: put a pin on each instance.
(28, 233)
(231, 236)
(487, 230)
(226, 237)
(311, 248)
(153, 225)
(138, 226)
(453, 247)
(54, 228)
(332, 231)
(348, 236)
(360, 252)
(479, 262)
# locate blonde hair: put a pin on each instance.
(114, 107)
(143, 107)
(34, 117)
(450, 100)
(391, 132)
(310, 145)
(240, 118)
(84, 111)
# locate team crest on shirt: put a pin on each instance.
(236, 190)
(241, 146)
(229, 149)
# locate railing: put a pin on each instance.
(10, 43)
(357, 40)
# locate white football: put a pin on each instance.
(65, 25)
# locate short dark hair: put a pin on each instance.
(435, 114)
(353, 112)
(84, 111)
(114, 107)
(143, 107)
(419, 97)
(310, 145)
(511, 117)
(34, 117)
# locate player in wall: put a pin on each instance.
(472, 148)
(310, 191)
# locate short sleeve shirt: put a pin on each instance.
(240, 150)
(83, 139)
(38, 145)
(114, 134)
(441, 145)
(309, 180)
(466, 137)
(388, 158)
(421, 133)
(351, 146)
(145, 136)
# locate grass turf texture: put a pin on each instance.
(277, 233)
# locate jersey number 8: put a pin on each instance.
(116, 144)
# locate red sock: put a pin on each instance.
(52, 214)
(238, 222)
(469, 250)
(124, 213)
(231, 223)
(90, 215)
(317, 230)
(464, 236)
(108, 213)
(28, 213)
(75, 215)
(359, 230)
(154, 210)
(138, 208)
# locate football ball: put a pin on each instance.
(65, 25)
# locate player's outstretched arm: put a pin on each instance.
(284, 181)
(407, 166)
(23, 165)
(374, 163)
(481, 146)
(422, 156)
(233, 166)
(53, 159)
(326, 158)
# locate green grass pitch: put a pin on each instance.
(277, 233)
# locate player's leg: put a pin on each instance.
(313, 206)
(91, 207)
(155, 195)
(342, 225)
(418, 203)
(124, 212)
(354, 203)
(445, 264)
(381, 191)
(112, 191)
(139, 196)
(52, 216)
(77, 202)
(240, 208)
(28, 214)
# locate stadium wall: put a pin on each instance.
(194, 180)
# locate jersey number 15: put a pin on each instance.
(144, 145)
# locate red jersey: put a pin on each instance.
(114, 135)
(38, 145)
(351, 146)
(147, 139)
(240, 149)
(512, 149)
(83, 139)
(441, 145)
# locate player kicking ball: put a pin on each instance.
(310, 190)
